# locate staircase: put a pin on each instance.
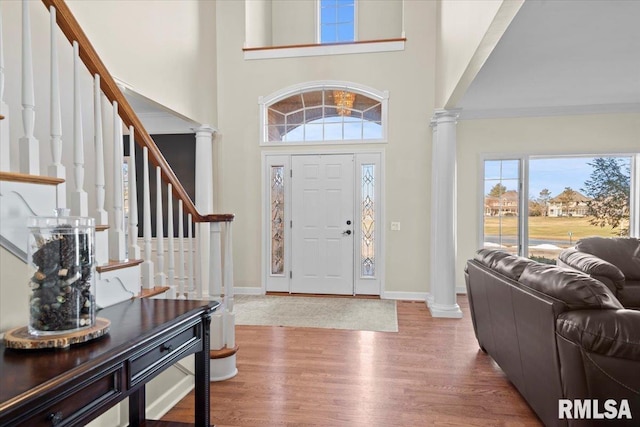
(44, 169)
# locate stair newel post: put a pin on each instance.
(215, 262)
(171, 271)
(161, 277)
(181, 278)
(79, 197)
(5, 143)
(147, 264)
(102, 218)
(56, 169)
(117, 246)
(29, 145)
(207, 256)
(230, 324)
(134, 249)
(190, 289)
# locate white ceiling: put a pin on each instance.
(562, 57)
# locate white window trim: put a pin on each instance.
(524, 158)
(381, 96)
(371, 46)
(282, 283)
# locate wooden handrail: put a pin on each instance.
(72, 31)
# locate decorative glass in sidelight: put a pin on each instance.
(367, 246)
(277, 220)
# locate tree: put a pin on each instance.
(609, 188)
(497, 190)
(543, 200)
(566, 198)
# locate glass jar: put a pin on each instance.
(62, 267)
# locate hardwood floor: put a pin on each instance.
(431, 372)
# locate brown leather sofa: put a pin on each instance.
(556, 333)
(613, 261)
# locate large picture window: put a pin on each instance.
(557, 202)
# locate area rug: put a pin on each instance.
(317, 312)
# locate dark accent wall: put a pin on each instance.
(180, 152)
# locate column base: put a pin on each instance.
(451, 311)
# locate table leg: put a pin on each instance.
(202, 405)
(137, 409)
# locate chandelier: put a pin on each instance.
(344, 101)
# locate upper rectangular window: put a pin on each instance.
(337, 21)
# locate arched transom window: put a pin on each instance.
(324, 113)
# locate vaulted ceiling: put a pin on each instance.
(562, 57)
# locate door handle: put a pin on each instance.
(347, 232)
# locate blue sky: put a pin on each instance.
(553, 174)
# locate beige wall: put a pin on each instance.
(409, 78)
(294, 22)
(165, 50)
(585, 134)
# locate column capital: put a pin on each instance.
(445, 116)
(205, 130)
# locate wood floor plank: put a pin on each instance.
(430, 373)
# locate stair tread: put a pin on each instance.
(33, 179)
(116, 265)
(223, 352)
(146, 293)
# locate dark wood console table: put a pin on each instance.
(70, 387)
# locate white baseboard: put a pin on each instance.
(405, 296)
(461, 290)
(253, 290)
(158, 408)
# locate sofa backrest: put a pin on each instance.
(516, 326)
(624, 253)
(575, 289)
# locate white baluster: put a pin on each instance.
(147, 264)
(181, 278)
(29, 146)
(161, 278)
(134, 249)
(56, 169)
(79, 198)
(5, 143)
(117, 242)
(190, 288)
(171, 272)
(102, 217)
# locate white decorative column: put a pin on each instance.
(204, 204)
(442, 301)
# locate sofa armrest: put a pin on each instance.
(595, 267)
(612, 333)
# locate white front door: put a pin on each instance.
(322, 224)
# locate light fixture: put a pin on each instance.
(344, 101)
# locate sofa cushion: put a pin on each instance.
(630, 295)
(490, 257)
(621, 252)
(592, 265)
(607, 332)
(575, 289)
(512, 266)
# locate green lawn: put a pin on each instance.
(553, 228)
